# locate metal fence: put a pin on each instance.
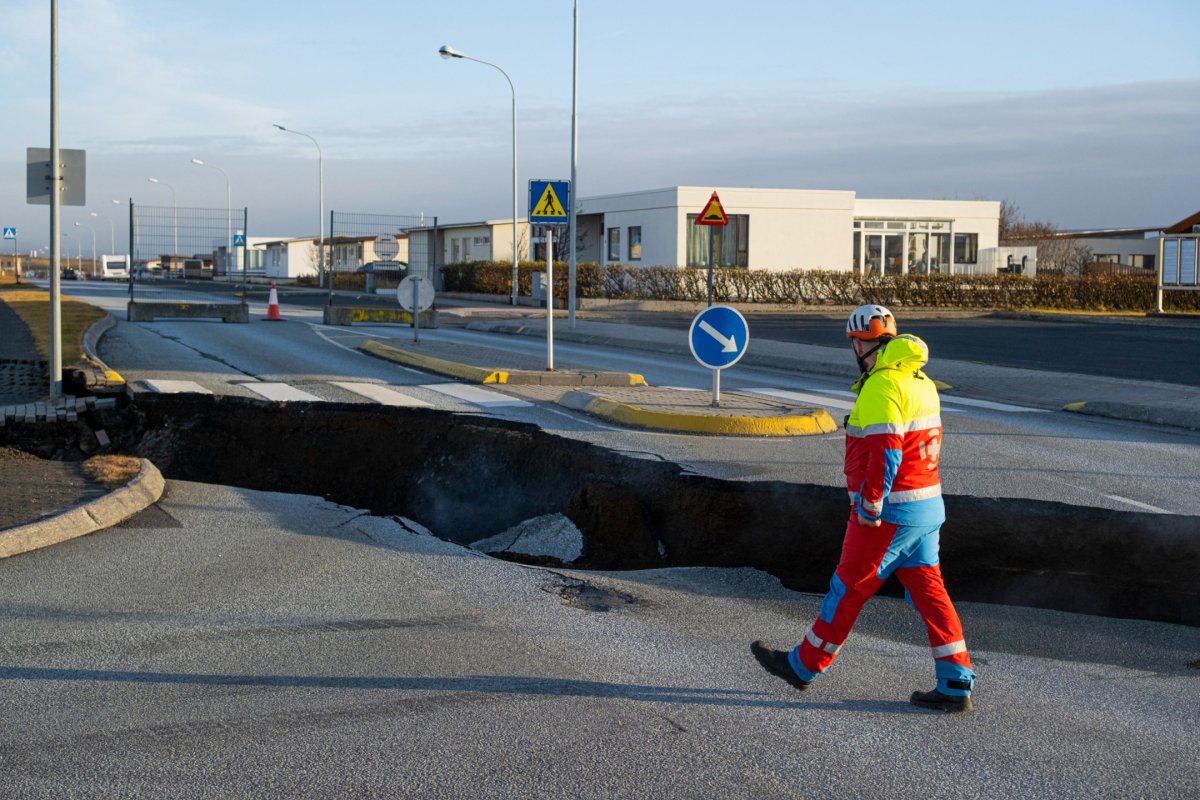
(169, 245)
(376, 251)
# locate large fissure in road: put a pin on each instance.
(468, 477)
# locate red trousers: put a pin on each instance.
(869, 556)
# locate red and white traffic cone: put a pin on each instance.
(273, 306)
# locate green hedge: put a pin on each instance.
(819, 287)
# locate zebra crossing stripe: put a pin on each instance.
(384, 395)
(175, 387)
(281, 392)
(802, 397)
(474, 394)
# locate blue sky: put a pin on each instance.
(1083, 114)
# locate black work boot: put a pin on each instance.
(776, 662)
(951, 704)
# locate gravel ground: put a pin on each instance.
(31, 487)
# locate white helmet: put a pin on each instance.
(870, 322)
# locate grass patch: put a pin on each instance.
(111, 472)
(32, 305)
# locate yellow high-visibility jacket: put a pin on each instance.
(894, 438)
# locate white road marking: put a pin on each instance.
(802, 397)
(384, 395)
(1136, 504)
(175, 387)
(988, 404)
(474, 394)
(280, 391)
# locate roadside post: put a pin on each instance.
(712, 216)
(11, 233)
(415, 294)
(718, 338)
(549, 205)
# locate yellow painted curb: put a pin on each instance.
(942, 386)
(815, 422)
(430, 364)
(113, 377)
(1074, 406)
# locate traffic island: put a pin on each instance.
(686, 411)
(423, 357)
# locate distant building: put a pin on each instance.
(776, 229)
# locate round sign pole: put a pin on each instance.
(549, 299)
(416, 312)
(718, 339)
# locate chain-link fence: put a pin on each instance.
(374, 252)
(187, 255)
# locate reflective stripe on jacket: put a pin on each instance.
(894, 438)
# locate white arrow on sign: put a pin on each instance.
(728, 343)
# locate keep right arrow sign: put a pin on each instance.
(718, 337)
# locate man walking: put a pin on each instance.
(893, 440)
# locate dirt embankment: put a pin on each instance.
(468, 477)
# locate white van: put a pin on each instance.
(114, 268)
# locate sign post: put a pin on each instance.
(718, 338)
(11, 233)
(713, 215)
(549, 205)
(415, 294)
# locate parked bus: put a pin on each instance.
(114, 268)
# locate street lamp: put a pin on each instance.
(228, 215)
(320, 204)
(446, 51)
(112, 231)
(93, 230)
(174, 217)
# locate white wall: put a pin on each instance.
(981, 217)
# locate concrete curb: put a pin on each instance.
(1136, 413)
(817, 421)
(467, 372)
(100, 378)
(103, 512)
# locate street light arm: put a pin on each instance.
(446, 51)
(321, 203)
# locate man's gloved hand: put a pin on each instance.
(868, 522)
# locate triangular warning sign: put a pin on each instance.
(713, 213)
(549, 205)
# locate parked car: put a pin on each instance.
(69, 275)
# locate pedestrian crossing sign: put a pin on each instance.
(549, 201)
(713, 213)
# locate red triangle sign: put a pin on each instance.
(713, 213)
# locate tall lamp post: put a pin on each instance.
(93, 230)
(174, 218)
(446, 51)
(320, 204)
(228, 215)
(112, 233)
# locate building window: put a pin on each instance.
(635, 243)
(731, 243)
(1142, 261)
(966, 248)
(456, 251)
(614, 244)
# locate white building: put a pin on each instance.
(288, 259)
(783, 229)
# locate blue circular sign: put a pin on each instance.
(718, 337)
